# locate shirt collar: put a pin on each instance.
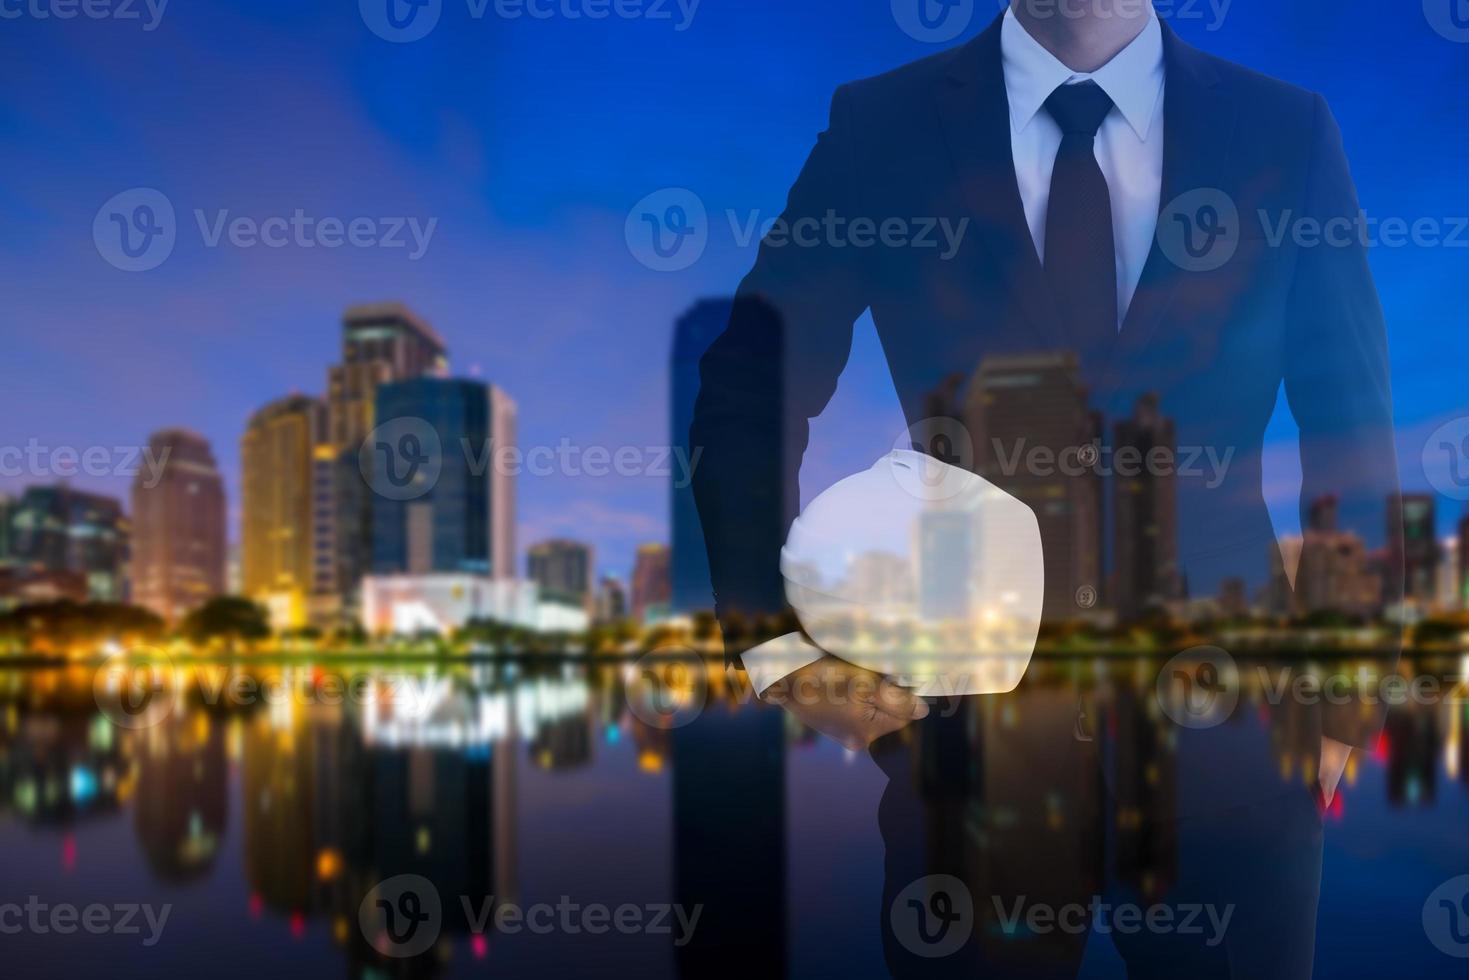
(1133, 78)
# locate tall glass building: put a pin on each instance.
(434, 475)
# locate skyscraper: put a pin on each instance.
(563, 570)
(381, 343)
(178, 526)
(651, 587)
(447, 524)
(60, 533)
(1145, 514)
(1464, 560)
(1412, 541)
(1018, 403)
(692, 335)
(504, 420)
(277, 479)
(611, 600)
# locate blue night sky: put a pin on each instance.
(529, 141)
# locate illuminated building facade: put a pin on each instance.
(277, 482)
(178, 526)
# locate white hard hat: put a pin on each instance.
(921, 571)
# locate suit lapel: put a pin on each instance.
(1199, 122)
(975, 115)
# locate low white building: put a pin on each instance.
(443, 603)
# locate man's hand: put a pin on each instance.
(1334, 756)
(854, 706)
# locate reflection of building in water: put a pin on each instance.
(1036, 800)
(60, 768)
(415, 776)
(1412, 757)
(729, 845)
(1145, 795)
(182, 801)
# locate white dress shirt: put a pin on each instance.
(1129, 145)
(1129, 149)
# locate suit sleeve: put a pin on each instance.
(1338, 386)
(773, 369)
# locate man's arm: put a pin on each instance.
(1338, 387)
(773, 369)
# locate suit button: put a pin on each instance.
(1086, 596)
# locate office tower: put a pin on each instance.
(1145, 513)
(504, 422)
(77, 541)
(1336, 575)
(651, 587)
(277, 502)
(1464, 560)
(1233, 597)
(178, 526)
(692, 335)
(444, 525)
(1285, 560)
(611, 600)
(1448, 588)
(879, 580)
(947, 549)
(1412, 541)
(381, 343)
(1019, 403)
(7, 504)
(563, 570)
(1323, 513)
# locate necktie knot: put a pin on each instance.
(1079, 109)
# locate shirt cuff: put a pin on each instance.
(777, 658)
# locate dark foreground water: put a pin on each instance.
(262, 820)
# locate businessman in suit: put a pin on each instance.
(1120, 194)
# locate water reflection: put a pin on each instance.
(339, 779)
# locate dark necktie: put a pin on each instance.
(1081, 257)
